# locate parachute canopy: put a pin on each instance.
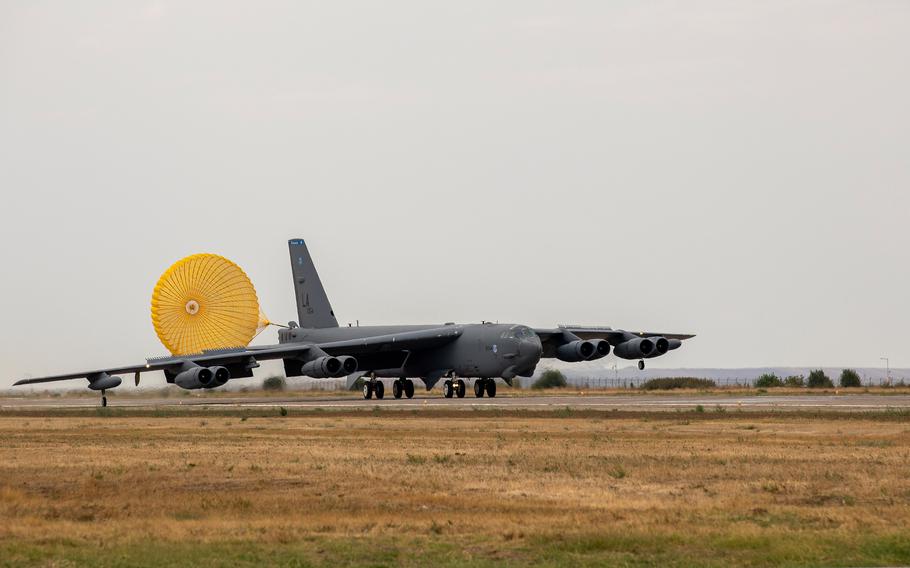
(204, 302)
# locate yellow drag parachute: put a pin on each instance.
(203, 302)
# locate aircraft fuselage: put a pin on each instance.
(484, 350)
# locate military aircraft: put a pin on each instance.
(316, 346)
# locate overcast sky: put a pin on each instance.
(739, 170)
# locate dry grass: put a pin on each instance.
(391, 488)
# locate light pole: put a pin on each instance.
(887, 369)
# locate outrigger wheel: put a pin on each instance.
(204, 302)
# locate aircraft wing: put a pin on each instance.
(614, 336)
(395, 342)
(407, 341)
(221, 357)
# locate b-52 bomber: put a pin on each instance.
(316, 346)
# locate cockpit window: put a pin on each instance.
(517, 332)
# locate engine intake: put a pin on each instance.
(601, 349)
(576, 351)
(638, 348)
(195, 378)
(220, 376)
(348, 364)
(327, 367)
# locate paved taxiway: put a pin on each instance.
(848, 402)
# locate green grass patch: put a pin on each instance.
(769, 548)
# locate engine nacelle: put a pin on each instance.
(576, 351)
(348, 365)
(661, 346)
(326, 367)
(601, 349)
(220, 376)
(674, 344)
(638, 348)
(195, 378)
(103, 381)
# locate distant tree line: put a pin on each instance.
(817, 379)
(678, 383)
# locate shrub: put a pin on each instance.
(768, 380)
(551, 378)
(678, 383)
(274, 383)
(850, 378)
(819, 380)
(795, 381)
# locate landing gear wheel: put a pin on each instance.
(460, 388)
(367, 390)
(409, 388)
(491, 388)
(447, 390)
(641, 365)
(379, 388)
(478, 388)
(396, 389)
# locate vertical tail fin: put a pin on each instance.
(313, 307)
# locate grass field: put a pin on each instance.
(446, 489)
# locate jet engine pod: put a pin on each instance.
(638, 348)
(576, 351)
(103, 381)
(195, 378)
(220, 376)
(348, 365)
(323, 368)
(661, 346)
(601, 349)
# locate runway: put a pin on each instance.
(846, 402)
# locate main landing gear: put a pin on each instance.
(404, 387)
(454, 387)
(373, 387)
(641, 365)
(485, 385)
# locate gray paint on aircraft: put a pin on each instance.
(313, 307)
(317, 346)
